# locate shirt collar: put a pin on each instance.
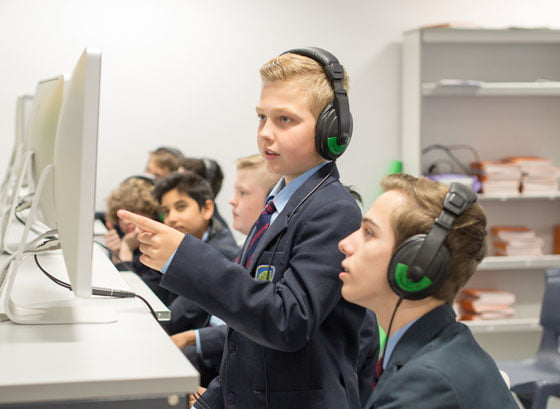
(282, 192)
(393, 340)
(206, 235)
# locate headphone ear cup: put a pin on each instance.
(403, 283)
(326, 134)
(403, 256)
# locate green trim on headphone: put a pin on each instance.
(334, 147)
(406, 283)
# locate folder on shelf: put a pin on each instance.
(484, 303)
(497, 169)
(498, 176)
(512, 232)
(538, 173)
(516, 241)
(487, 296)
(488, 315)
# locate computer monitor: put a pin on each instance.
(41, 143)
(37, 153)
(69, 202)
(75, 167)
(23, 108)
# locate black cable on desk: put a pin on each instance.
(108, 292)
(111, 252)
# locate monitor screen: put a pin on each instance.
(68, 201)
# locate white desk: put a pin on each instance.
(130, 359)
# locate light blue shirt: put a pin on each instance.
(393, 341)
(282, 192)
(214, 322)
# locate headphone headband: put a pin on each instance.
(171, 150)
(331, 147)
(457, 200)
(144, 176)
(329, 62)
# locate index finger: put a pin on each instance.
(143, 223)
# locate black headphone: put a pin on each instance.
(210, 169)
(419, 265)
(334, 125)
(144, 176)
(173, 151)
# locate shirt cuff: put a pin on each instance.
(166, 265)
(198, 347)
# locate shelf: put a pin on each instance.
(489, 35)
(519, 262)
(519, 196)
(479, 88)
(506, 325)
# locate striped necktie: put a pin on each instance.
(260, 227)
(378, 372)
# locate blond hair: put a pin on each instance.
(305, 73)
(467, 241)
(267, 180)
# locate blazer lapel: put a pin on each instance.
(421, 333)
(415, 338)
(281, 222)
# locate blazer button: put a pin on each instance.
(231, 398)
(231, 347)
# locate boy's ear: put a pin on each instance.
(208, 210)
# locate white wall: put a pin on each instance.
(185, 73)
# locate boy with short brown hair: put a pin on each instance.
(419, 243)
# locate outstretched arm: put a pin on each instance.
(158, 242)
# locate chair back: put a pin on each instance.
(550, 319)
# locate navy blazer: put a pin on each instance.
(293, 342)
(212, 340)
(438, 364)
(185, 314)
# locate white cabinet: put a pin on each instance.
(499, 92)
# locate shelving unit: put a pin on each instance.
(519, 196)
(494, 89)
(497, 91)
(493, 263)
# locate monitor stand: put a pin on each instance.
(63, 309)
(11, 203)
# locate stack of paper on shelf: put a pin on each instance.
(485, 304)
(498, 176)
(538, 174)
(516, 241)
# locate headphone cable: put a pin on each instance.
(382, 358)
(301, 202)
